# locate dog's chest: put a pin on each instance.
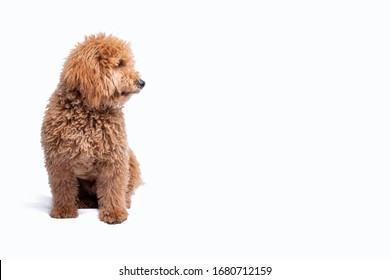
(85, 168)
(92, 136)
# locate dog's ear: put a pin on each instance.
(88, 75)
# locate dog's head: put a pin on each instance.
(102, 70)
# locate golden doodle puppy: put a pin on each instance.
(88, 160)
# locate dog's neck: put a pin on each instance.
(74, 99)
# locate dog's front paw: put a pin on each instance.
(64, 212)
(113, 216)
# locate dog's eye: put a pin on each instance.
(121, 63)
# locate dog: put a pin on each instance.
(88, 160)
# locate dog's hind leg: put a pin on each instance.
(135, 178)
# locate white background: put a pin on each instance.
(262, 132)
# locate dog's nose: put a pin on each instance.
(141, 83)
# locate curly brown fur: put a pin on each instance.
(88, 160)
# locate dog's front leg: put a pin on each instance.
(64, 188)
(111, 190)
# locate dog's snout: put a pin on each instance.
(141, 83)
